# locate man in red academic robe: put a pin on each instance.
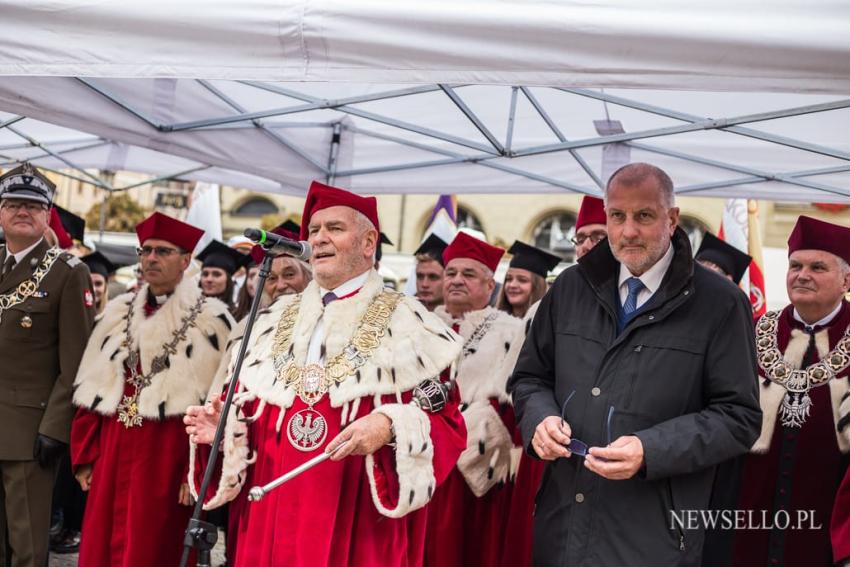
(799, 460)
(467, 519)
(333, 369)
(153, 353)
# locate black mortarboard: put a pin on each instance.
(291, 226)
(75, 226)
(432, 246)
(727, 257)
(383, 239)
(99, 264)
(532, 259)
(219, 255)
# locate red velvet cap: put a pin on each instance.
(465, 246)
(814, 234)
(321, 196)
(592, 211)
(163, 227)
(62, 235)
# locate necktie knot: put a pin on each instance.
(8, 265)
(328, 298)
(635, 286)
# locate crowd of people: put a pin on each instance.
(603, 419)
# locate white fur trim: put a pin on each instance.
(417, 346)
(771, 395)
(487, 459)
(414, 460)
(484, 374)
(235, 459)
(186, 381)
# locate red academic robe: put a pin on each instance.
(465, 530)
(326, 516)
(840, 527)
(800, 473)
(518, 543)
(132, 517)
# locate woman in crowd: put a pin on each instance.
(101, 270)
(525, 281)
(218, 264)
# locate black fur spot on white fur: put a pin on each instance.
(96, 402)
(189, 349)
(106, 340)
(227, 323)
(162, 411)
(481, 447)
(213, 339)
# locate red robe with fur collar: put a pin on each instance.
(132, 516)
(361, 511)
(797, 470)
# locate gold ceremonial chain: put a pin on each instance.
(128, 409)
(797, 383)
(312, 381)
(28, 287)
(471, 345)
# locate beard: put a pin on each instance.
(639, 263)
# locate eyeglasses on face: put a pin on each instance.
(161, 251)
(28, 207)
(575, 446)
(595, 237)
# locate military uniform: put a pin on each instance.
(42, 337)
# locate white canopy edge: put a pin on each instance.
(734, 45)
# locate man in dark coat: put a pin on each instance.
(46, 315)
(649, 360)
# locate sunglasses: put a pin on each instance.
(576, 446)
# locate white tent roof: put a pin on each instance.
(739, 98)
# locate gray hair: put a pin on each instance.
(843, 266)
(635, 173)
(364, 225)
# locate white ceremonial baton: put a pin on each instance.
(258, 492)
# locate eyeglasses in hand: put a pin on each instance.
(575, 446)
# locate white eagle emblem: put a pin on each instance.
(307, 430)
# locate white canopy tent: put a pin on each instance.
(739, 98)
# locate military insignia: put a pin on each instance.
(26, 321)
(88, 298)
(40, 294)
(307, 430)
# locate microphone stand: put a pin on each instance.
(199, 534)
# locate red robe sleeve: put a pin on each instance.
(840, 527)
(85, 437)
(428, 445)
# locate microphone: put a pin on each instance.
(276, 245)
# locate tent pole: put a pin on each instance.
(334, 153)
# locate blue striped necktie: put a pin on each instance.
(635, 286)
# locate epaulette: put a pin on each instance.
(71, 260)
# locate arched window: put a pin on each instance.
(554, 232)
(467, 219)
(256, 207)
(694, 228)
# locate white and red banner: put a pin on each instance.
(740, 228)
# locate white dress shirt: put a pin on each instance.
(314, 351)
(822, 322)
(651, 279)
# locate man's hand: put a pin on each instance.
(618, 461)
(47, 450)
(185, 497)
(550, 438)
(83, 476)
(363, 437)
(201, 421)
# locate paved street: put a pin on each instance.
(70, 560)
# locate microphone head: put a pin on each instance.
(306, 251)
(254, 234)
